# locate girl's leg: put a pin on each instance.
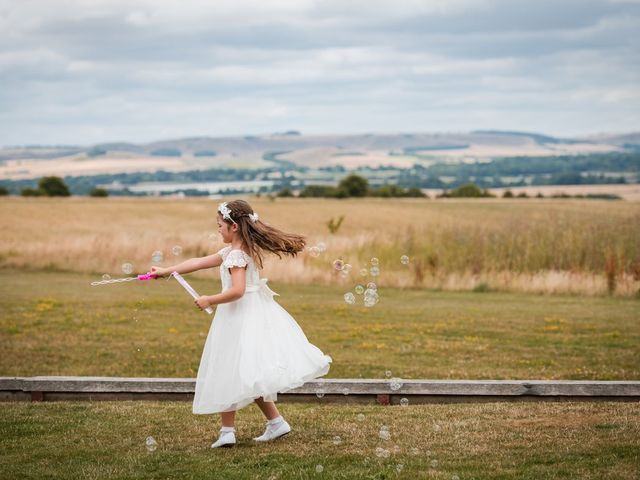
(268, 408)
(228, 418)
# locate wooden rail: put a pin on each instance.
(347, 390)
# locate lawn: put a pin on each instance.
(106, 440)
(56, 323)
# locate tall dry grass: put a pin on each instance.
(549, 246)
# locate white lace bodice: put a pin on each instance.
(238, 258)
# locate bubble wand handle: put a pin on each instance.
(189, 289)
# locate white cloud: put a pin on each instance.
(90, 71)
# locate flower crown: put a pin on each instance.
(225, 211)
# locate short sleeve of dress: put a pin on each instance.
(235, 258)
(223, 251)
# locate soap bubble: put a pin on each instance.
(319, 468)
(319, 393)
(322, 247)
(344, 274)
(151, 444)
(415, 451)
(384, 427)
(106, 276)
(347, 268)
(364, 272)
(395, 384)
(437, 427)
(372, 286)
(384, 434)
(338, 264)
(371, 297)
(434, 463)
(350, 298)
(387, 373)
(213, 237)
(404, 401)
(359, 289)
(375, 271)
(375, 261)
(404, 260)
(177, 250)
(360, 417)
(127, 268)
(455, 477)
(345, 391)
(156, 257)
(382, 452)
(399, 467)
(337, 440)
(314, 252)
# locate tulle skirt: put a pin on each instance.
(254, 349)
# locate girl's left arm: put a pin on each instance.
(235, 292)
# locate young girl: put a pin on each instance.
(254, 348)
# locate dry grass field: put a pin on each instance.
(585, 247)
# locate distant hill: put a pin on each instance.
(293, 147)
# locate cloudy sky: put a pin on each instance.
(89, 71)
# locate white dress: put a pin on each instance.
(254, 347)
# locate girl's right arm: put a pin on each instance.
(188, 266)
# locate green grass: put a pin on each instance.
(106, 440)
(55, 323)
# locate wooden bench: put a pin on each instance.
(343, 390)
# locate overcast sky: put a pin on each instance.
(90, 71)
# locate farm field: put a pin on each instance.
(582, 247)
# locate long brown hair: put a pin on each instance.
(261, 237)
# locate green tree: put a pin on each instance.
(4, 191)
(354, 186)
(285, 192)
(99, 192)
(469, 190)
(53, 187)
(318, 191)
(31, 192)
